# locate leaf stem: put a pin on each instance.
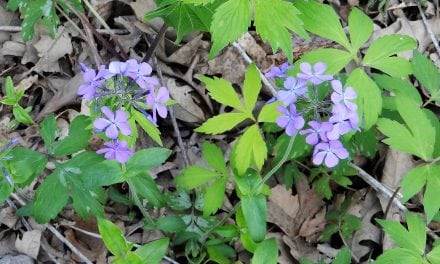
(138, 203)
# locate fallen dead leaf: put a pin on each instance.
(29, 244)
(186, 108)
(8, 217)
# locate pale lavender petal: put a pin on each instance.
(283, 110)
(101, 123)
(331, 160)
(112, 131)
(290, 83)
(337, 86)
(319, 68)
(312, 139)
(334, 133)
(83, 67)
(342, 153)
(350, 93)
(103, 150)
(151, 100)
(145, 68)
(318, 158)
(162, 111)
(286, 97)
(163, 95)
(298, 122)
(282, 121)
(290, 129)
(336, 98)
(89, 76)
(120, 116)
(125, 128)
(122, 156)
(306, 68)
(108, 113)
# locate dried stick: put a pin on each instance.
(14, 29)
(155, 43)
(428, 28)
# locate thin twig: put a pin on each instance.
(249, 60)
(155, 43)
(118, 31)
(428, 27)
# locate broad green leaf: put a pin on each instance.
(85, 202)
(5, 188)
(335, 59)
(369, 97)
(22, 115)
(195, 176)
(322, 20)
(431, 202)
(250, 183)
(413, 239)
(78, 138)
(216, 255)
(222, 91)
(379, 51)
(185, 18)
(434, 255)
(343, 256)
(154, 251)
(251, 87)
(230, 21)
(171, 224)
(147, 126)
(147, 159)
(245, 237)
(143, 184)
(418, 135)
(198, 2)
(415, 179)
(350, 224)
(322, 187)
(129, 257)
(25, 165)
(104, 173)
(221, 123)
(273, 20)
(50, 198)
(48, 131)
(269, 112)
(9, 88)
(427, 74)
(266, 252)
(394, 66)
(399, 255)
(112, 237)
(360, 27)
(214, 196)
(250, 148)
(254, 211)
(214, 157)
(398, 86)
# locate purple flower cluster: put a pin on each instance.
(132, 84)
(333, 118)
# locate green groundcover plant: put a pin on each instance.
(320, 116)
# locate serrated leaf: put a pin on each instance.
(398, 86)
(273, 20)
(266, 252)
(399, 255)
(214, 196)
(369, 97)
(343, 256)
(230, 21)
(251, 147)
(113, 238)
(147, 126)
(147, 159)
(251, 87)
(50, 198)
(322, 187)
(269, 112)
(434, 255)
(254, 212)
(394, 66)
(222, 91)
(360, 27)
(85, 203)
(427, 74)
(9, 88)
(25, 165)
(313, 15)
(214, 157)
(413, 239)
(171, 224)
(250, 183)
(335, 59)
(418, 135)
(104, 173)
(431, 202)
(78, 138)
(22, 115)
(221, 123)
(154, 251)
(48, 131)
(143, 184)
(198, 2)
(414, 180)
(5, 187)
(195, 176)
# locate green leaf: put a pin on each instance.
(379, 51)
(214, 157)
(22, 115)
(25, 165)
(147, 159)
(434, 255)
(154, 251)
(398, 86)
(214, 196)
(245, 237)
(415, 179)
(399, 255)
(251, 87)
(369, 97)
(50, 198)
(78, 138)
(10, 90)
(143, 184)
(322, 187)
(276, 31)
(313, 13)
(413, 239)
(48, 131)
(33, 12)
(112, 237)
(221, 123)
(350, 224)
(222, 91)
(251, 147)
(5, 188)
(171, 224)
(269, 112)
(431, 202)
(427, 74)
(335, 59)
(250, 183)
(343, 256)
(85, 202)
(230, 21)
(185, 18)
(104, 173)
(395, 66)
(266, 252)
(195, 176)
(360, 27)
(254, 211)
(147, 126)
(418, 135)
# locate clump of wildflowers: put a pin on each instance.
(331, 118)
(133, 86)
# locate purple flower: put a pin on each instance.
(117, 150)
(157, 102)
(315, 75)
(290, 120)
(316, 132)
(141, 74)
(113, 123)
(343, 121)
(278, 71)
(341, 96)
(294, 88)
(92, 81)
(330, 153)
(118, 67)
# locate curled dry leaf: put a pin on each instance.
(186, 108)
(13, 48)
(29, 244)
(8, 217)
